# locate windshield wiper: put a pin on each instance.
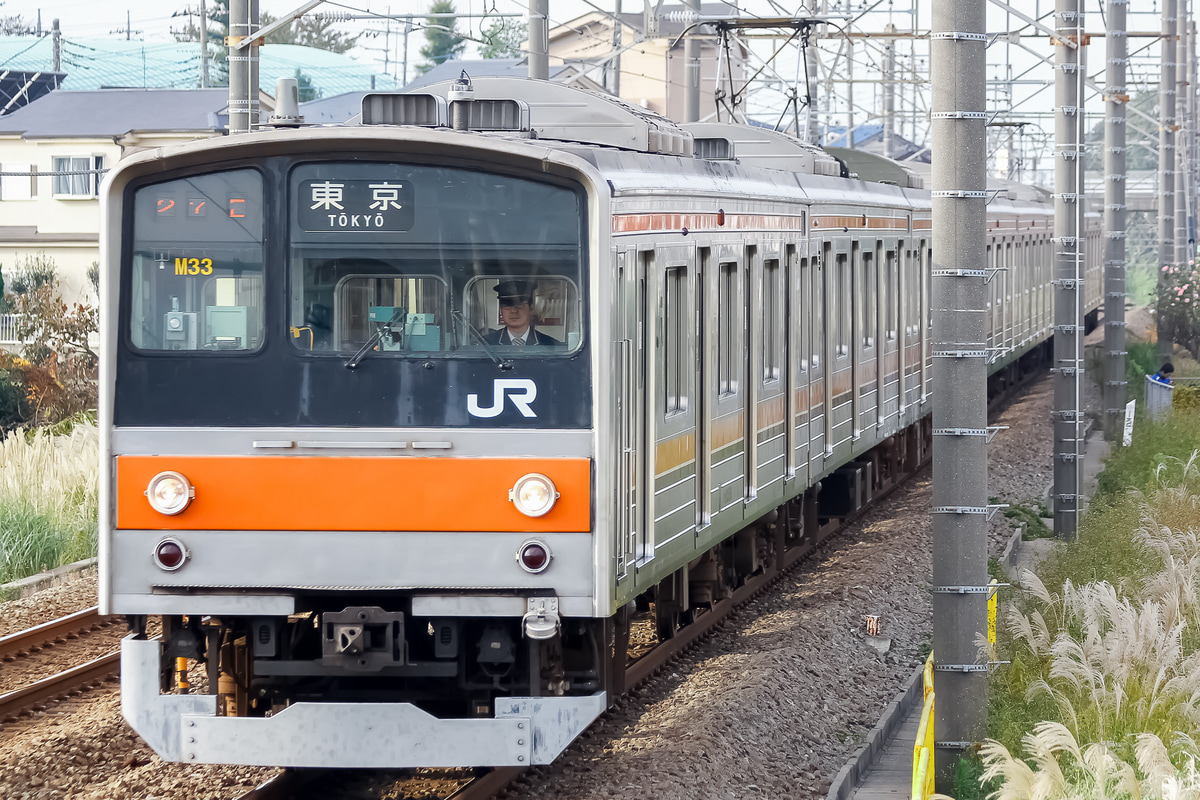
(503, 364)
(385, 328)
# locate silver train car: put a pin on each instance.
(352, 524)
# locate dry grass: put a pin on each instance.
(48, 499)
(1115, 670)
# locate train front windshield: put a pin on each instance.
(355, 293)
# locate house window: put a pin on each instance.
(77, 176)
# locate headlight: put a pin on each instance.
(169, 493)
(533, 495)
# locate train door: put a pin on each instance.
(706, 340)
(867, 376)
(797, 316)
(818, 382)
(889, 336)
(728, 386)
(769, 375)
(631, 386)
(752, 294)
(672, 513)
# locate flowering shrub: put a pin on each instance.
(1178, 304)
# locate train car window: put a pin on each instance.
(440, 261)
(772, 329)
(196, 268)
(728, 319)
(870, 315)
(675, 321)
(398, 314)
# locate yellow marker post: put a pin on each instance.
(993, 608)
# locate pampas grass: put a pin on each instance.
(1114, 668)
(48, 499)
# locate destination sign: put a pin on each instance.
(355, 206)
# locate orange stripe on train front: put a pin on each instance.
(354, 494)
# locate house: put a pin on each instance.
(652, 72)
(54, 153)
(88, 64)
(869, 137)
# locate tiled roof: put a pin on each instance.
(113, 112)
(108, 63)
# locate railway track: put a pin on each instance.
(27, 643)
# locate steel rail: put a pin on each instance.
(56, 631)
(60, 685)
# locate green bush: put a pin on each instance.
(31, 541)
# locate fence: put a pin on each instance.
(922, 772)
(1160, 397)
(9, 325)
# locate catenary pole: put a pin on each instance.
(959, 338)
(1115, 214)
(1068, 254)
(811, 66)
(203, 46)
(1166, 159)
(1183, 135)
(539, 39)
(252, 68)
(239, 67)
(691, 68)
(889, 95)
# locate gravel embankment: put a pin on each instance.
(771, 706)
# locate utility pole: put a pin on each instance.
(1114, 392)
(1068, 256)
(56, 36)
(1166, 160)
(407, 30)
(239, 67)
(203, 46)
(958, 40)
(539, 39)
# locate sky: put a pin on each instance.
(1022, 85)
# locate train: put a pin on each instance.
(405, 421)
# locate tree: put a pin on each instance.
(15, 26)
(442, 40)
(304, 87)
(503, 38)
(313, 31)
(217, 13)
(60, 380)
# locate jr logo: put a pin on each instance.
(521, 391)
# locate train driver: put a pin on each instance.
(516, 312)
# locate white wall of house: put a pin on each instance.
(60, 216)
(652, 74)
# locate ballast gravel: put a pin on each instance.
(770, 706)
